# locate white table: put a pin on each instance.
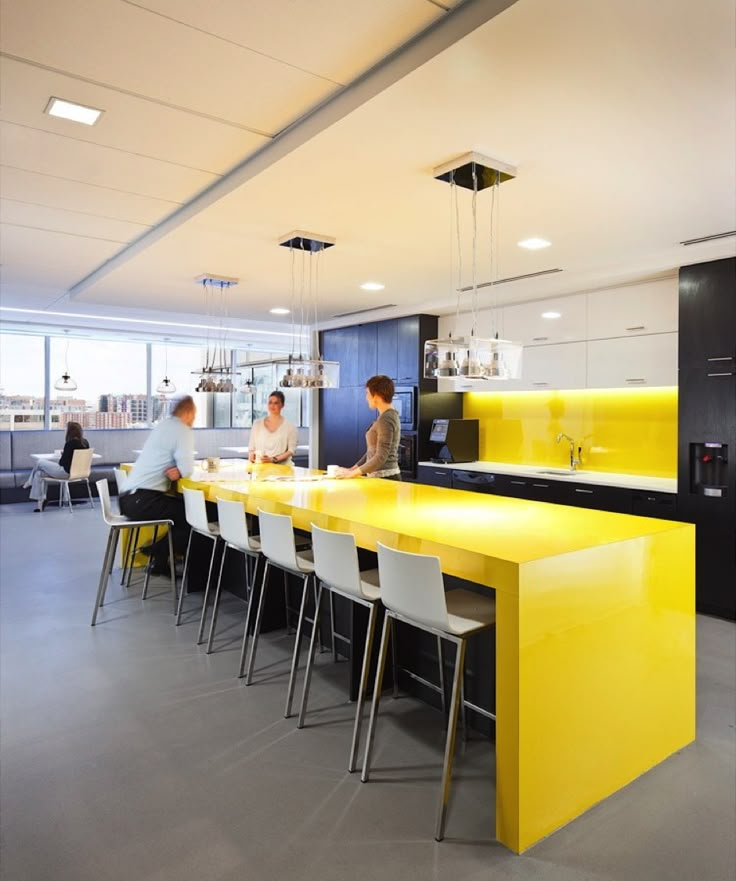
(243, 451)
(56, 455)
(138, 452)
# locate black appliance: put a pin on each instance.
(458, 437)
(474, 481)
(405, 404)
(407, 454)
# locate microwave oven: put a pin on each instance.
(405, 402)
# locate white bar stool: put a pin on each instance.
(195, 509)
(413, 592)
(337, 569)
(118, 522)
(278, 544)
(234, 534)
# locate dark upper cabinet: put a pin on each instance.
(387, 348)
(707, 327)
(342, 344)
(367, 344)
(340, 442)
(407, 350)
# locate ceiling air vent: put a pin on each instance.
(718, 235)
(488, 284)
(362, 311)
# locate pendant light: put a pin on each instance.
(216, 375)
(474, 357)
(65, 383)
(306, 370)
(166, 386)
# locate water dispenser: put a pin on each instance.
(708, 469)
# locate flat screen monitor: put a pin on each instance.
(438, 433)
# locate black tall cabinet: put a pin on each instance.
(395, 348)
(706, 472)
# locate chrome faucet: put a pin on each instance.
(574, 461)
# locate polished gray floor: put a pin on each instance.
(127, 753)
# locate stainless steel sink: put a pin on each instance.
(558, 472)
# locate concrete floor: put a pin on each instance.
(127, 753)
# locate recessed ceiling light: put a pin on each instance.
(372, 286)
(279, 310)
(534, 244)
(551, 315)
(74, 112)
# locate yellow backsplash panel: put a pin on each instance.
(628, 431)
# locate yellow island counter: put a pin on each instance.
(595, 643)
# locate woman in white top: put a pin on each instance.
(273, 438)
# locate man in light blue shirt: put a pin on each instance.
(167, 455)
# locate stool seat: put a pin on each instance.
(370, 585)
(468, 612)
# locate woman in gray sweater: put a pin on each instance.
(382, 438)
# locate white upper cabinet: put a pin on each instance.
(625, 363)
(526, 324)
(559, 366)
(646, 308)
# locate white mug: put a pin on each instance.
(332, 470)
(259, 456)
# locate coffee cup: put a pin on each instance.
(213, 463)
(332, 470)
(259, 456)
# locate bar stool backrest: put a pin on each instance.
(121, 478)
(233, 525)
(104, 493)
(336, 560)
(277, 539)
(195, 510)
(412, 585)
(81, 464)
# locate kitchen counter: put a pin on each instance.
(597, 478)
(595, 642)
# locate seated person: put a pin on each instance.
(167, 455)
(74, 440)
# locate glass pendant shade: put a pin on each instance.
(166, 387)
(299, 372)
(65, 383)
(472, 358)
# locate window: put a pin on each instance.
(21, 382)
(111, 383)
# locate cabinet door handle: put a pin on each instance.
(637, 379)
(541, 485)
(440, 473)
(719, 374)
(540, 383)
(587, 491)
(518, 482)
(725, 358)
(539, 339)
(637, 327)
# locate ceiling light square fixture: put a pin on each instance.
(72, 111)
(534, 243)
(279, 310)
(551, 315)
(372, 286)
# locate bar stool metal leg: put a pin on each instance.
(203, 616)
(395, 657)
(441, 657)
(102, 586)
(257, 629)
(248, 617)
(310, 660)
(383, 651)
(450, 742)
(183, 580)
(172, 563)
(332, 626)
(148, 567)
(137, 533)
(297, 646)
(372, 615)
(216, 604)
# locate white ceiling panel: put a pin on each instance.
(101, 201)
(21, 214)
(49, 153)
(129, 124)
(138, 51)
(330, 38)
(44, 259)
